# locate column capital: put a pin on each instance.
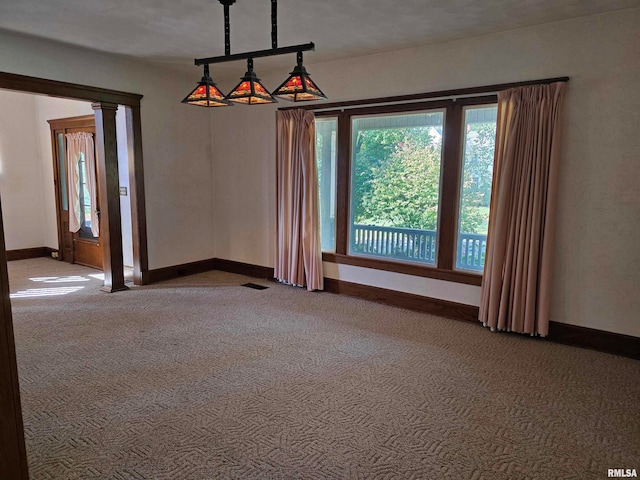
(104, 106)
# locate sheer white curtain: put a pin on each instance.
(81, 145)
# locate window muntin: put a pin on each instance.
(395, 185)
(479, 133)
(326, 151)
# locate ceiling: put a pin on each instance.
(174, 32)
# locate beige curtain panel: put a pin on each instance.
(298, 250)
(78, 145)
(516, 285)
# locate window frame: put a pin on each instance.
(451, 170)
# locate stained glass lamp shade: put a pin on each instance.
(250, 91)
(206, 94)
(299, 87)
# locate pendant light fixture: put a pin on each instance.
(299, 87)
(250, 91)
(206, 94)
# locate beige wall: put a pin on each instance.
(175, 139)
(20, 172)
(26, 181)
(597, 273)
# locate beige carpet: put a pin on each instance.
(201, 378)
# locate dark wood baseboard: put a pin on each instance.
(175, 271)
(443, 308)
(241, 268)
(24, 253)
(601, 340)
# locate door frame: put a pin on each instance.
(13, 457)
(57, 126)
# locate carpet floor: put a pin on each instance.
(202, 378)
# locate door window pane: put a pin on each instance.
(63, 172)
(395, 185)
(326, 129)
(475, 191)
(85, 200)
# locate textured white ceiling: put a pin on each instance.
(173, 32)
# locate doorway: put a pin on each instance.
(105, 103)
(77, 191)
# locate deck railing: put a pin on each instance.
(415, 245)
(472, 248)
(396, 243)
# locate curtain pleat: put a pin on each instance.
(78, 144)
(298, 250)
(517, 275)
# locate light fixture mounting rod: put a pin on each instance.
(227, 30)
(274, 24)
(305, 47)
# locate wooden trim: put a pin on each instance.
(241, 268)
(343, 182)
(137, 196)
(449, 187)
(201, 266)
(423, 96)
(589, 338)
(110, 223)
(55, 88)
(62, 126)
(25, 253)
(443, 308)
(84, 121)
(405, 268)
(13, 456)
(480, 100)
(600, 340)
(175, 271)
(56, 182)
(399, 108)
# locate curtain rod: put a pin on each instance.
(428, 95)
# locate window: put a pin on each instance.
(395, 185)
(475, 186)
(407, 187)
(85, 200)
(326, 129)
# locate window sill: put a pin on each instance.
(405, 268)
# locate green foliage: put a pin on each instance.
(373, 149)
(404, 189)
(477, 177)
(397, 178)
